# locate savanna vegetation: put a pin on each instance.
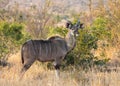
(95, 60)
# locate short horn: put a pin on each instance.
(78, 24)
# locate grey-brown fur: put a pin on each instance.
(53, 49)
(43, 50)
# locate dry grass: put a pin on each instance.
(38, 76)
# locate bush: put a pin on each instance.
(82, 53)
(99, 28)
(11, 36)
(81, 56)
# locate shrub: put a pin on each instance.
(11, 36)
(81, 56)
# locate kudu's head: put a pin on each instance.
(73, 28)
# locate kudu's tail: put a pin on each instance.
(22, 58)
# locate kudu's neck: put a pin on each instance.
(71, 41)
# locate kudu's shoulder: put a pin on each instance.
(55, 38)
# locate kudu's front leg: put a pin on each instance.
(57, 70)
(57, 64)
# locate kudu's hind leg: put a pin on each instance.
(26, 66)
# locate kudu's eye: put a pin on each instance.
(76, 33)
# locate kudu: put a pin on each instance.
(53, 49)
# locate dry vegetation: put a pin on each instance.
(39, 76)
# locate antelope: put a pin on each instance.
(53, 49)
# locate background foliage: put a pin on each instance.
(11, 38)
(101, 29)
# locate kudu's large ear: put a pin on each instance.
(81, 25)
(69, 24)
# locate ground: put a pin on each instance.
(38, 75)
